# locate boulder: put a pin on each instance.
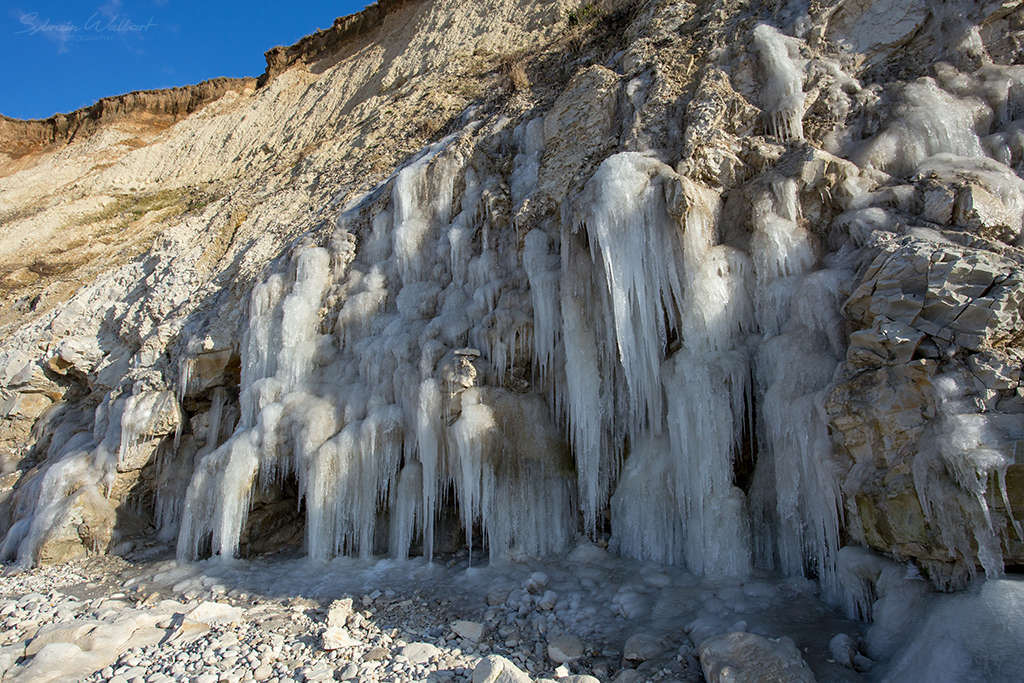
(495, 669)
(84, 524)
(748, 658)
(642, 646)
(564, 648)
(214, 613)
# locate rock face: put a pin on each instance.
(747, 285)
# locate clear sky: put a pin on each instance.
(63, 55)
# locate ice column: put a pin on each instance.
(676, 501)
(796, 498)
(782, 91)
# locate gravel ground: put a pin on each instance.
(283, 619)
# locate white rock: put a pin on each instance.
(420, 653)
(548, 600)
(842, 649)
(495, 669)
(214, 613)
(337, 637)
(536, 582)
(339, 612)
(470, 630)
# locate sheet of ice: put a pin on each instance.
(929, 121)
(542, 268)
(966, 445)
(974, 635)
(795, 498)
(353, 402)
(782, 95)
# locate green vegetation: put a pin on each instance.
(129, 208)
(586, 13)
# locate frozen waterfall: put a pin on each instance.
(379, 372)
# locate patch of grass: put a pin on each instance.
(586, 13)
(514, 68)
(129, 208)
(21, 213)
(51, 268)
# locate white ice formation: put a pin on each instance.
(379, 372)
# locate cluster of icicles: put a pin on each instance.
(647, 346)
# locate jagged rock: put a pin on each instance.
(26, 405)
(749, 658)
(919, 303)
(339, 612)
(78, 354)
(337, 637)
(585, 111)
(875, 26)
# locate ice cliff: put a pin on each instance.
(733, 286)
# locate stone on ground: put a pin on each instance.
(749, 658)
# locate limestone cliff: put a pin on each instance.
(727, 284)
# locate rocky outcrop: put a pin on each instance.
(326, 43)
(149, 108)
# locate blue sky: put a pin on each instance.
(60, 56)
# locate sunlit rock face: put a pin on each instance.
(727, 291)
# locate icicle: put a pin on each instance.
(542, 270)
(146, 414)
(214, 418)
(422, 197)
(632, 234)
(300, 316)
(963, 446)
(186, 367)
(584, 396)
(469, 438)
(795, 492)
(405, 508)
(429, 448)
